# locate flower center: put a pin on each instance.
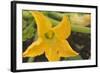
(49, 35)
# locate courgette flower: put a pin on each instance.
(51, 41)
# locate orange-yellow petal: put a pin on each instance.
(43, 23)
(65, 49)
(52, 54)
(35, 49)
(63, 29)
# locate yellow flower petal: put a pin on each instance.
(52, 54)
(35, 49)
(66, 50)
(53, 42)
(63, 29)
(43, 23)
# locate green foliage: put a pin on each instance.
(28, 27)
(29, 32)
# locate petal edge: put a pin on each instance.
(63, 29)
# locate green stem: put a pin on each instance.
(55, 15)
(81, 29)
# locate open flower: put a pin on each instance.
(51, 40)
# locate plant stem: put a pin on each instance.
(81, 29)
(54, 15)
